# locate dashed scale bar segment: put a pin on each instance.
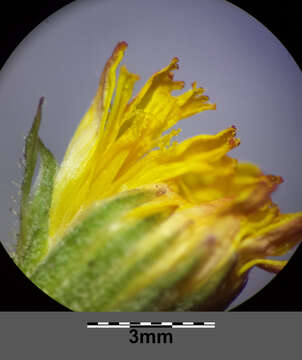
(149, 324)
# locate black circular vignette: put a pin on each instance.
(282, 293)
(17, 292)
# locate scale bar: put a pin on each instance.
(149, 324)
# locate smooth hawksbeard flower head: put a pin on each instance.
(131, 221)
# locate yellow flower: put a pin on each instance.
(111, 149)
(135, 222)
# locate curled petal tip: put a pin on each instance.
(234, 130)
(234, 142)
(122, 45)
(274, 179)
(174, 64)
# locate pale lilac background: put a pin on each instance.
(245, 69)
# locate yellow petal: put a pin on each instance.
(273, 266)
(199, 154)
(156, 99)
(76, 171)
(275, 239)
